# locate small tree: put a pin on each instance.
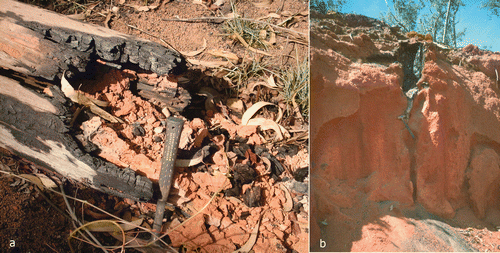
(319, 6)
(493, 7)
(440, 21)
(335, 5)
(406, 14)
(322, 8)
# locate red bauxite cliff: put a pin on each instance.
(372, 182)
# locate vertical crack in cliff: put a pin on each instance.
(411, 56)
(413, 170)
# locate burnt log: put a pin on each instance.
(34, 126)
(42, 43)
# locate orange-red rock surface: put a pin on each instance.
(366, 165)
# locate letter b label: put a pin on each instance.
(322, 244)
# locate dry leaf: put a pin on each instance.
(68, 90)
(197, 52)
(280, 114)
(270, 82)
(219, 3)
(91, 6)
(78, 97)
(139, 244)
(263, 4)
(5, 167)
(235, 105)
(224, 54)
(252, 110)
(108, 18)
(240, 39)
(81, 99)
(268, 164)
(121, 2)
(268, 124)
(210, 64)
(288, 205)
(210, 94)
(185, 163)
(270, 15)
(110, 225)
(247, 247)
(79, 16)
(287, 22)
(142, 8)
(182, 80)
(262, 34)
(165, 112)
(41, 180)
(104, 114)
(146, 8)
(272, 39)
(252, 85)
(297, 109)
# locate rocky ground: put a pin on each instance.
(246, 183)
(395, 172)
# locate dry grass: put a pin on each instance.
(295, 85)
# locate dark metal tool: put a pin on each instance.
(172, 137)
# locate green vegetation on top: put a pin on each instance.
(439, 18)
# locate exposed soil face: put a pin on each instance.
(390, 161)
(243, 178)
